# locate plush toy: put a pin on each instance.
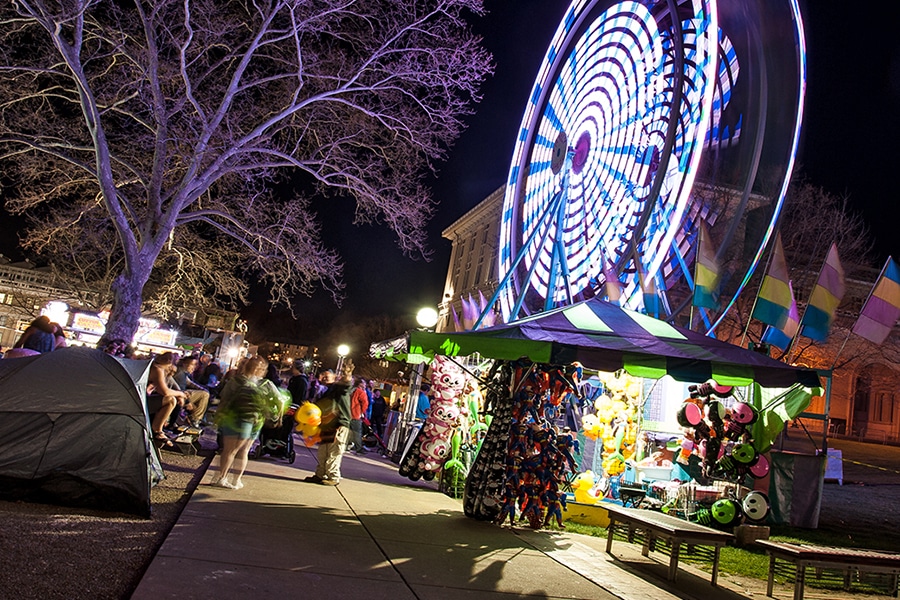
(432, 446)
(583, 486)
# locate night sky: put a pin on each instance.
(849, 147)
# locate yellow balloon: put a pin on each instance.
(309, 414)
(308, 430)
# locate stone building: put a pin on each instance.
(26, 290)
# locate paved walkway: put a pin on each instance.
(379, 535)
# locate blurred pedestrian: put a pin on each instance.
(241, 414)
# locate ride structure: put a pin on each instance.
(645, 120)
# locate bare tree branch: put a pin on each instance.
(181, 119)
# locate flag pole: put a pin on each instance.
(841, 350)
(759, 289)
(800, 322)
(869, 297)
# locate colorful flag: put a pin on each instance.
(488, 317)
(775, 296)
(613, 286)
(706, 272)
(825, 298)
(469, 312)
(783, 333)
(882, 309)
(456, 324)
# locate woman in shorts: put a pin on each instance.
(240, 416)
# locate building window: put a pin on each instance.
(882, 407)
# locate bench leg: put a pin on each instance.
(799, 581)
(715, 566)
(771, 581)
(673, 560)
(610, 532)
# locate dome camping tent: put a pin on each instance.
(74, 431)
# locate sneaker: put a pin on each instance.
(223, 483)
(313, 479)
(237, 484)
(331, 482)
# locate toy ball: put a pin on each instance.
(743, 413)
(308, 414)
(689, 415)
(743, 453)
(761, 468)
(755, 506)
(725, 511)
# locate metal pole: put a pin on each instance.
(408, 416)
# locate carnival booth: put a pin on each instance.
(670, 419)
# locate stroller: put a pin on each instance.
(370, 438)
(277, 438)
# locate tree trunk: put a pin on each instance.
(125, 314)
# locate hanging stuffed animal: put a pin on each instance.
(432, 446)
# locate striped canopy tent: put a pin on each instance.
(605, 337)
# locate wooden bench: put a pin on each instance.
(829, 557)
(659, 526)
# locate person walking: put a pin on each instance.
(359, 404)
(379, 406)
(240, 416)
(335, 428)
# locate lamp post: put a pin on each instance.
(342, 351)
(427, 318)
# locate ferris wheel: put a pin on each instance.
(637, 115)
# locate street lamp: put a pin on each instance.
(427, 317)
(232, 354)
(343, 350)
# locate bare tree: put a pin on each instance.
(164, 128)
